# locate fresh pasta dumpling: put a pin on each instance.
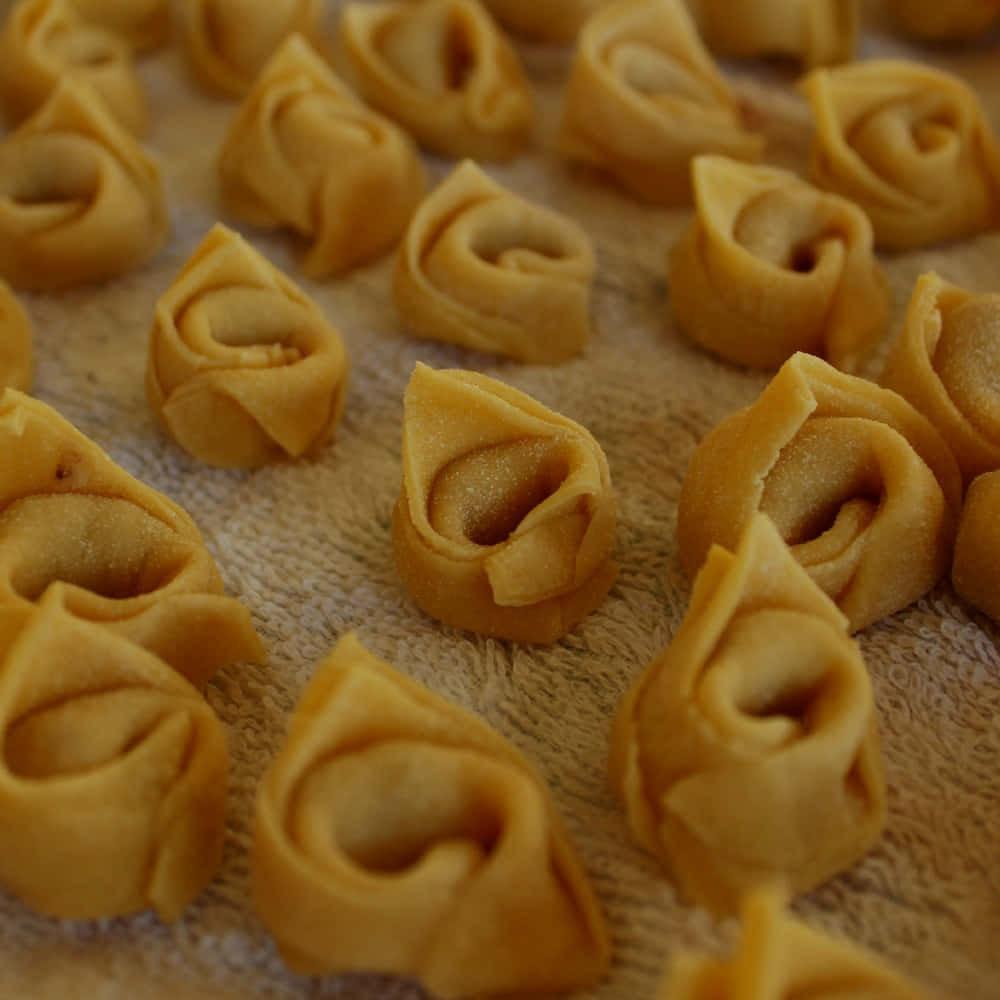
(958, 20)
(243, 366)
(977, 547)
(304, 152)
(911, 145)
(815, 32)
(444, 71)
(398, 833)
(144, 24)
(506, 519)
(552, 21)
(44, 41)
(771, 265)
(860, 485)
(780, 958)
(747, 753)
(229, 41)
(113, 776)
(80, 200)
(110, 549)
(644, 98)
(946, 362)
(16, 359)
(482, 267)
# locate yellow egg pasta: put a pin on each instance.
(16, 356)
(960, 20)
(144, 24)
(552, 21)
(977, 547)
(398, 833)
(444, 71)
(304, 152)
(644, 98)
(482, 267)
(747, 753)
(505, 523)
(771, 265)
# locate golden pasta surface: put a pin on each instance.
(977, 547)
(144, 24)
(552, 21)
(16, 355)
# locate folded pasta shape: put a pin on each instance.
(303, 152)
(505, 523)
(977, 547)
(16, 357)
(444, 71)
(398, 833)
(644, 97)
(482, 267)
(770, 266)
(113, 776)
(44, 41)
(144, 24)
(109, 548)
(552, 21)
(860, 485)
(80, 201)
(243, 366)
(747, 753)
(815, 32)
(911, 145)
(946, 362)
(781, 958)
(960, 20)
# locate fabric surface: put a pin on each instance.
(306, 546)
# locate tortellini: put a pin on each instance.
(44, 41)
(505, 523)
(956, 21)
(815, 32)
(644, 98)
(243, 366)
(781, 958)
(229, 41)
(482, 267)
(747, 753)
(107, 548)
(977, 548)
(444, 71)
(946, 362)
(398, 833)
(16, 357)
(302, 151)
(771, 265)
(113, 777)
(552, 21)
(910, 145)
(144, 24)
(860, 485)
(80, 200)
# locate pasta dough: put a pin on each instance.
(113, 777)
(946, 362)
(229, 41)
(815, 32)
(910, 145)
(79, 199)
(771, 265)
(747, 753)
(43, 41)
(302, 151)
(506, 518)
(16, 361)
(482, 267)
(644, 98)
(552, 21)
(977, 548)
(243, 366)
(398, 833)
(955, 21)
(108, 548)
(444, 71)
(860, 485)
(144, 24)
(780, 958)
